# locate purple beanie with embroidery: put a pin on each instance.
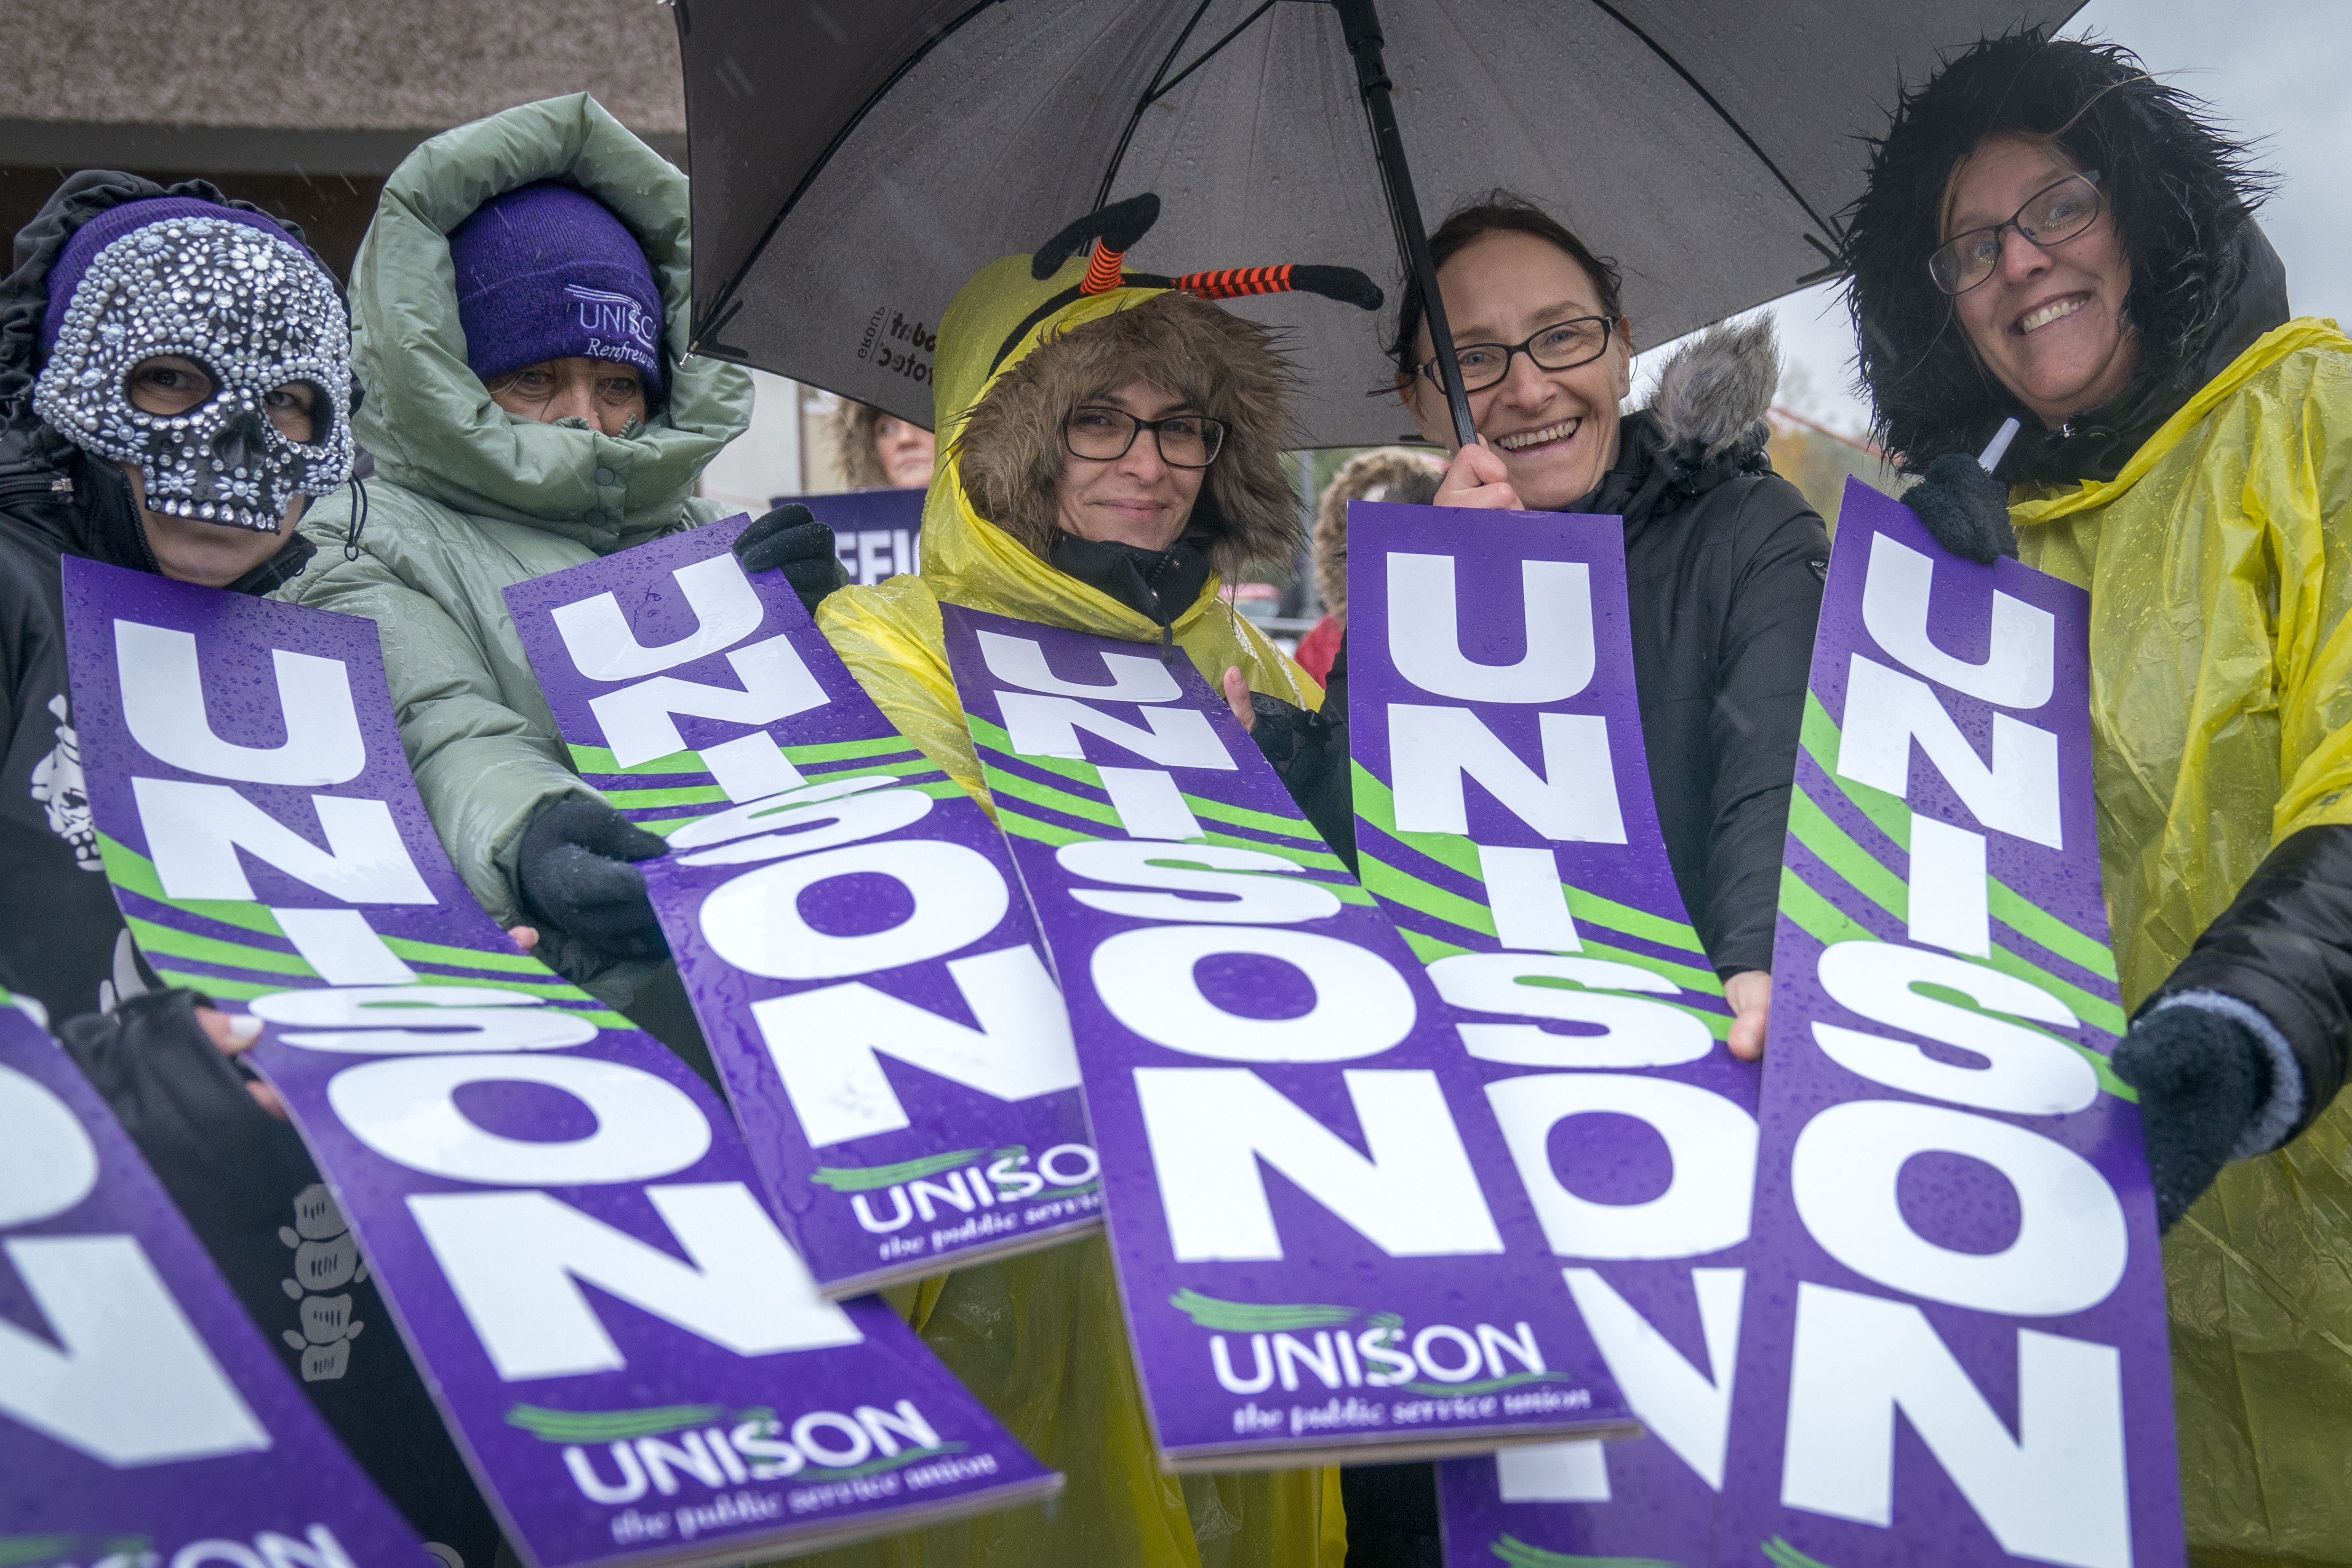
(548, 272)
(82, 248)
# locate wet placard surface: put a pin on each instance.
(1322, 1244)
(846, 919)
(572, 1240)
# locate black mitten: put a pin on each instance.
(2202, 1077)
(793, 539)
(1965, 508)
(1309, 754)
(576, 874)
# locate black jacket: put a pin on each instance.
(243, 1180)
(1724, 564)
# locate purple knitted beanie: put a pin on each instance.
(548, 272)
(82, 248)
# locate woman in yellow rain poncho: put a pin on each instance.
(2051, 234)
(1112, 446)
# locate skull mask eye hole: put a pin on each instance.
(168, 385)
(296, 409)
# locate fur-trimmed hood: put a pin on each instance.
(1383, 474)
(2205, 283)
(1714, 394)
(1009, 447)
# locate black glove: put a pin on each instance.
(1965, 508)
(576, 874)
(1309, 755)
(792, 538)
(2202, 1077)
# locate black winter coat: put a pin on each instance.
(1724, 566)
(243, 1180)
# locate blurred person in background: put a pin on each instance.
(1395, 474)
(2051, 234)
(881, 451)
(119, 445)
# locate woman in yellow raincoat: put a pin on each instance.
(1113, 444)
(2051, 234)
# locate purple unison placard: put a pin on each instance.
(875, 534)
(1954, 1225)
(1321, 1243)
(1506, 822)
(143, 1419)
(561, 1215)
(847, 919)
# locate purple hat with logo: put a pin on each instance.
(548, 272)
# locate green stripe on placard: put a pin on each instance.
(1891, 817)
(994, 737)
(213, 986)
(1816, 916)
(134, 873)
(417, 952)
(599, 759)
(154, 939)
(1257, 1317)
(1813, 828)
(1376, 804)
(1519, 1555)
(646, 799)
(1024, 826)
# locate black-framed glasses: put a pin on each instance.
(2051, 215)
(1563, 345)
(1104, 436)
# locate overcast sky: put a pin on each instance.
(2271, 68)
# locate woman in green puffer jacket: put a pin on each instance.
(480, 486)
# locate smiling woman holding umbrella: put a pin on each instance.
(1112, 444)
(2051, 235)
(1724, 559)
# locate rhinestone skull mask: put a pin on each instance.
(257, 313)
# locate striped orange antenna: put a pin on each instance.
(1233, 282)
(1104, 271)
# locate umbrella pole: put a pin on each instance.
(1359, 24)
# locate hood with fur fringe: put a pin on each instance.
(1383, 474)
(2205, 283)
(1009, 451)
(1714, 394)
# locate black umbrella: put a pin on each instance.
(856, 161)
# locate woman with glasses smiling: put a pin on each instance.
(2051, 235)
(1724, 559)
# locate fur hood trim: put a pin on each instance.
(1383, 474)
(1715, 391)
(2180, 191)
(1009, 449)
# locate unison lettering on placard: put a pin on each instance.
(842, 915)
(1312, 1187)
(559, 1212)
(1954, 1214)
(1505, 822)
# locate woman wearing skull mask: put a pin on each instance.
(134, 305)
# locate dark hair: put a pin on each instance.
(2179, 191)
(1496, 212)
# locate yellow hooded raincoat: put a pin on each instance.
(2219, 566)
(1042, 1339)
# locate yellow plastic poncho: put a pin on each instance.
(2220, 567)
(1041, 1340)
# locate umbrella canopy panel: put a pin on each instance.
(854, 165)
